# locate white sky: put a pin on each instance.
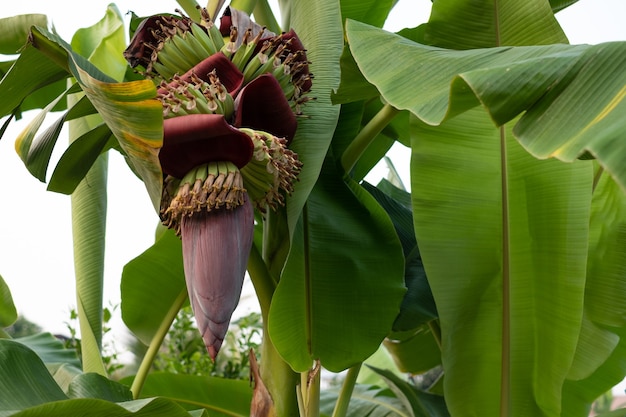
(35, 231)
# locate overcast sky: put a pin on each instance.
(35, 231)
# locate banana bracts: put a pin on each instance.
(216, 247)
(230, 110)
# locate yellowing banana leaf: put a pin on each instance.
(552, 82)
(128, 108)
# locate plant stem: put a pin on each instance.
(189, 6)
(341, 408)
(244, 5)
(366, 136)
(280, 380)
(155, 344)
(264, 16)
(308, 392)
(263, 283)
(436, 331)
(596, 178)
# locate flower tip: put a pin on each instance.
(212, 342)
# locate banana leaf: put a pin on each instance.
(153, 287)
(8, 313)
(127, 108)
(487, 214)
(366, 400)
(219, 396)
(28, 389)
(345, 257)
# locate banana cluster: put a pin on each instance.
(198, 96)
(208, 187)
(169, 45)
(272, 170)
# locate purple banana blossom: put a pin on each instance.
(216, 247)
(230, 111)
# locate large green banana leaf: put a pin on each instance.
(503, 236)
(421, 403)
(40, 91)
(552, 82)
(50, 349)
(220, 396)
(153, 287)
(604, 331)
(315, 131)
(28, 389)
(493, 224)
(345, 258)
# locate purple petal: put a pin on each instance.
(228, 74)
(192, 140)
(261, 105)
(137, 53)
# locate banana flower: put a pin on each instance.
(230, 109)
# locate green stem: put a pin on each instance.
(155, 344)
(263, 283)
(366, 136)
(341, 408)
(264, 16)
(308, 392)
(281, 381)
(189, 6)
(596, 178)
(436, 331)
(244, 5)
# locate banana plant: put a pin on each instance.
(498, 279)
